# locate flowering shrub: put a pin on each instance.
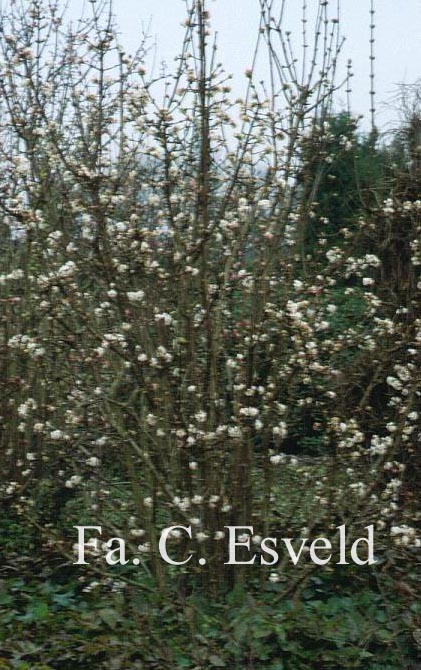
(170, 344)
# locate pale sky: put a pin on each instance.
(398, 39)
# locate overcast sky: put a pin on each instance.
(398, 39)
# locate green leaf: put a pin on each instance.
(217, 661)
(41, 611)
(109, 616)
